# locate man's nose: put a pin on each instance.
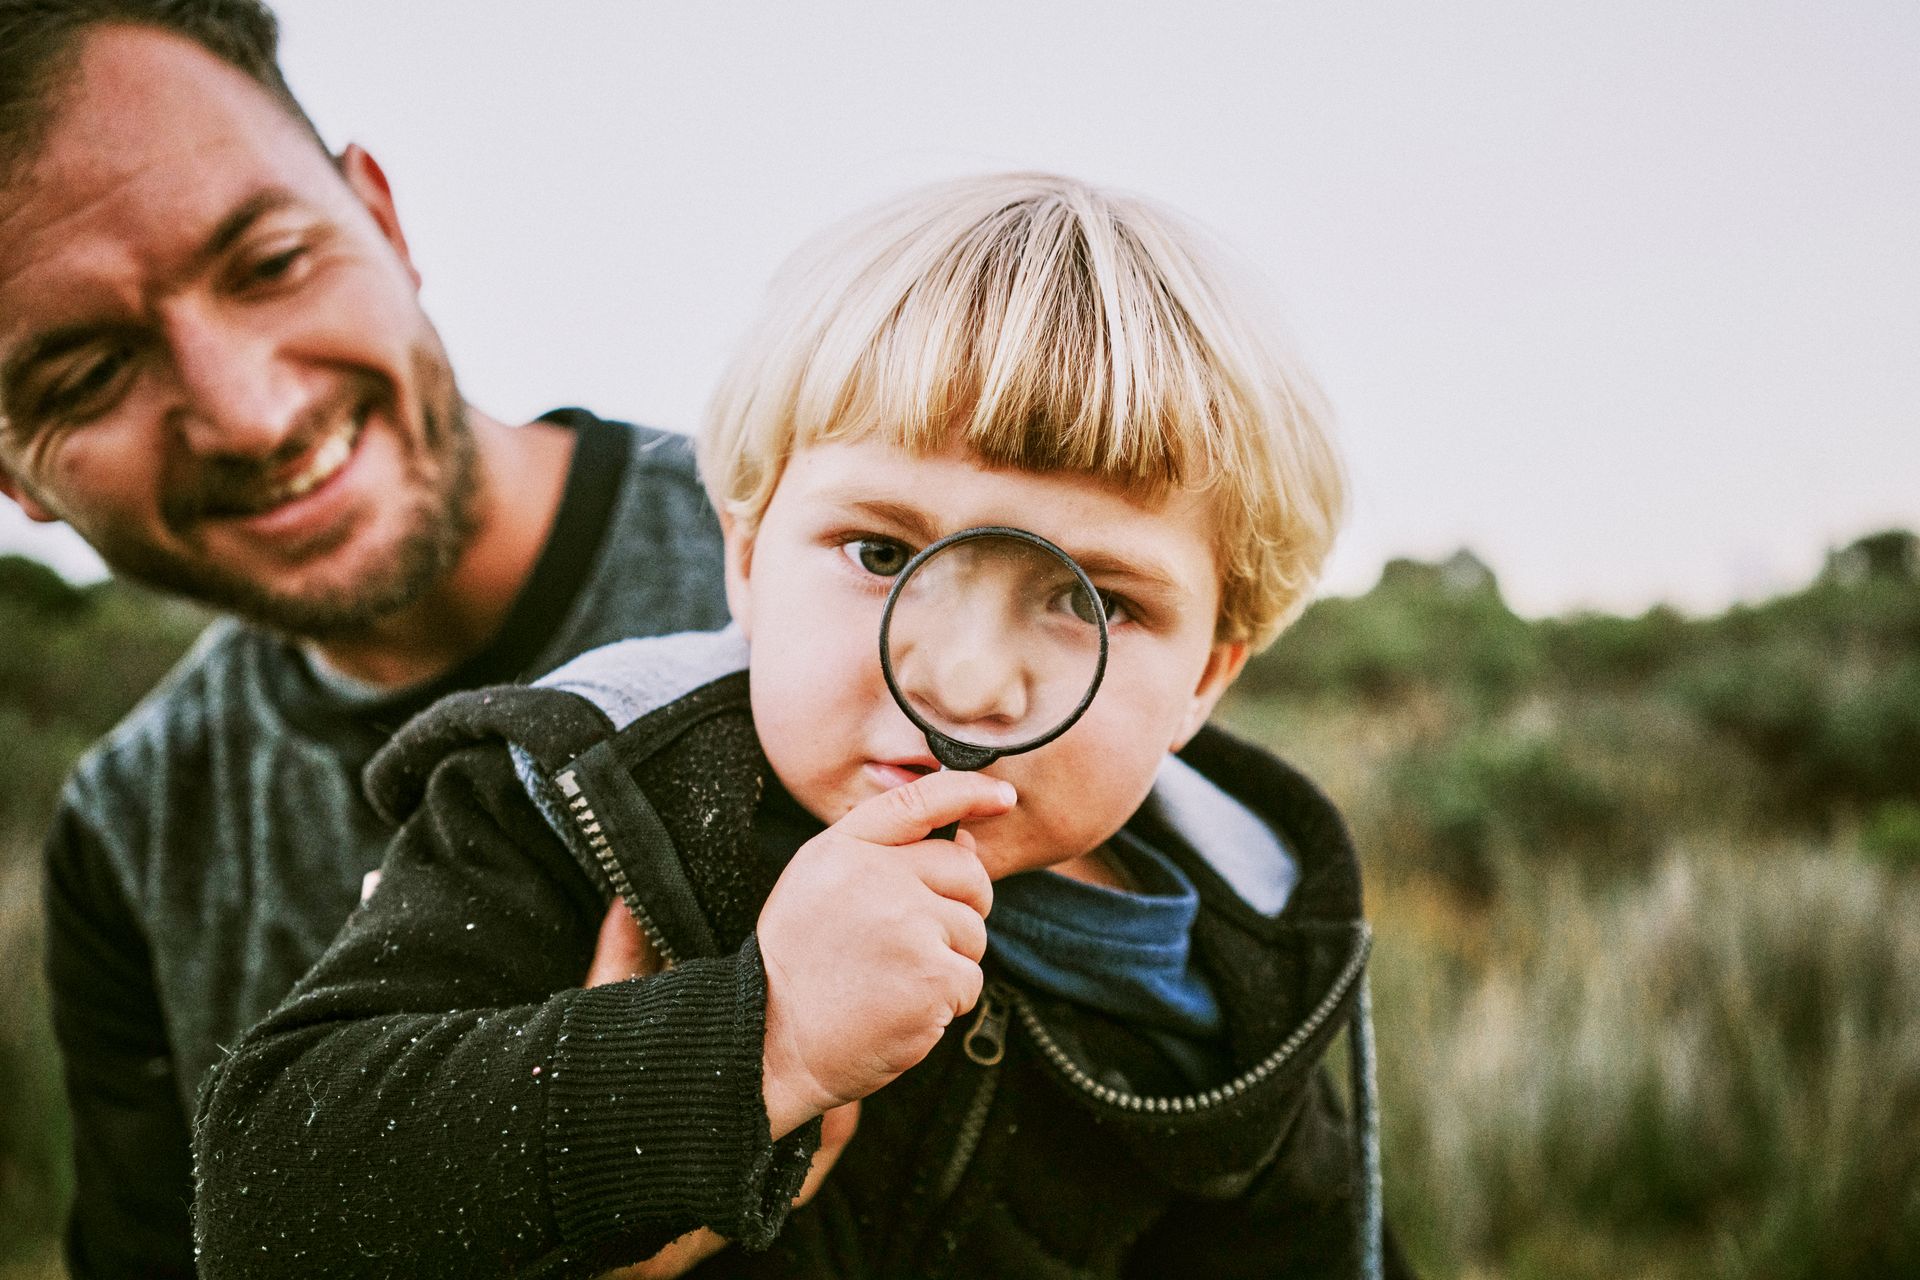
(240, 398)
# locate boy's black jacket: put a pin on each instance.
(426, 1104)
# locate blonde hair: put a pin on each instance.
(1055, 327)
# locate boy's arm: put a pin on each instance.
(424, 1103)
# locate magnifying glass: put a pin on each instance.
(993, 641)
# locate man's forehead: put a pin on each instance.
(154, 143)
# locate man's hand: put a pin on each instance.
(872, 940)
(623, 952)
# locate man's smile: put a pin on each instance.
(323, 459)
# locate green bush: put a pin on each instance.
(1424, 626)
(28, 586)
(1834, 735)
(1491, 803)
(1892, 835)
(1599, 650)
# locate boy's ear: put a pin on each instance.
(368, 182)
(1224, 662)
(739, 564)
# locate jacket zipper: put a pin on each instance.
(589, 828)
(1193, 1102)
(985, 1045)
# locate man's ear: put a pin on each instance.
(739, 546)
(1224, 662)
(368, 182)
(35, 509)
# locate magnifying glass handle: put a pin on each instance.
(943, 833)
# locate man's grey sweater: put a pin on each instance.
(208, 849)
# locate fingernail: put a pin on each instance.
(1007, 794)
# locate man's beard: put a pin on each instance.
(443, 490)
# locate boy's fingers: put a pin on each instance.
(953, 870)
(966, 981)
(966, 930)
(907, 814)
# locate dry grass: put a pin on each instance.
(1711, 1072)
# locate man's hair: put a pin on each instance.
(40, 43)
(1048, 325)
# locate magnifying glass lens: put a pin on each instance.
(995, 640)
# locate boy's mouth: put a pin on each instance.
(896, 773)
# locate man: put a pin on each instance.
(213, 365)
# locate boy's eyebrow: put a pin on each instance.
(901, 516)
(1141, 573)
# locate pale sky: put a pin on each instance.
(1626, 296)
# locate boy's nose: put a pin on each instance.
(975, 692)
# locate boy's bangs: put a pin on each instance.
(1048, 326)
(1011, 347)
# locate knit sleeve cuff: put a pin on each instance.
(656, 1118)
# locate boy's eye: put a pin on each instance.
(882, 557)
(1080, 604)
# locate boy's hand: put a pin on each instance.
(872, 942)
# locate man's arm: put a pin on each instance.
(132, 1173)
(425, 1103)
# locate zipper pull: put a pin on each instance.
(986, 1041)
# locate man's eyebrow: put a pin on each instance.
(237, 223)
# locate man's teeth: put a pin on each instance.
(322, 464)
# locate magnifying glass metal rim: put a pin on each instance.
(952, 752)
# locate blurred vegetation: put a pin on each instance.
(1647, 892)
(72, 661)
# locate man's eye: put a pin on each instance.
(91, 385)
(882, 557)
(275, 267)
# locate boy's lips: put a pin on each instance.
(895, 773)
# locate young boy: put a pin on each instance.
(1104, 1064)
